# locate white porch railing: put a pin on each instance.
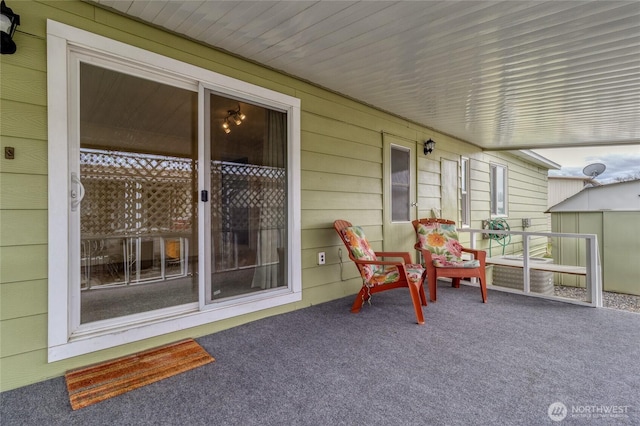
(592, 270)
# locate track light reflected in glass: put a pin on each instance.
(233, 115)
(225, 126)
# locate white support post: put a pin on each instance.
(593, 281)
(526, 273)
(472, 240)
(472, 245)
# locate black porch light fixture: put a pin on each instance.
(8, 23)
(429, 146)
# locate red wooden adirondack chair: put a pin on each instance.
(438, 243)
(380, 275)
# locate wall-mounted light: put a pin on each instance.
(429, 146)
(233, 115)
(8, 23)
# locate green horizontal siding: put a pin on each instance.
(319, 181)
(24, 85)
(23, 120)
(23, 263)
(23, 191)
(23, 227)
(322, 144)
(30, 156)
(339, 165)
(325, 200)
(14, 303)
(23, 334)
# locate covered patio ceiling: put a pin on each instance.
(499, 74)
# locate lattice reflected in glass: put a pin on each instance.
(138, 194)
(246, 199)
(247, 186)
(135, 193)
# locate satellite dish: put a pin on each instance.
(594, 170)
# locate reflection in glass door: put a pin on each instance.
(248, 203)
(136, 174)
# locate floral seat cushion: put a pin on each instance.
(388, 274)
(441, 240)
(376, 274)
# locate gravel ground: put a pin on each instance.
(625, 302)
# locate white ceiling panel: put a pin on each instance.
(499, 74)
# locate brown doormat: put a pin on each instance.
(102, 381)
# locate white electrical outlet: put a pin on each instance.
(321, 258)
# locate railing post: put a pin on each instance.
(472, 246)
(526, 273)
(593, 280)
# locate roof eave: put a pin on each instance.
(534, 157)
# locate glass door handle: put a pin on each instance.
(76, 194)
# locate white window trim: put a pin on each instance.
(466, 176)
(493, 187)
(62, 343)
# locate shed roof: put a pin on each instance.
(584, 179)
(620, 196)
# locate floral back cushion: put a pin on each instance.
(358, 244)
(376, 274)
(441, 240)
(360, 249)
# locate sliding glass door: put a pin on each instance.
(174, 195)
(137, 196)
